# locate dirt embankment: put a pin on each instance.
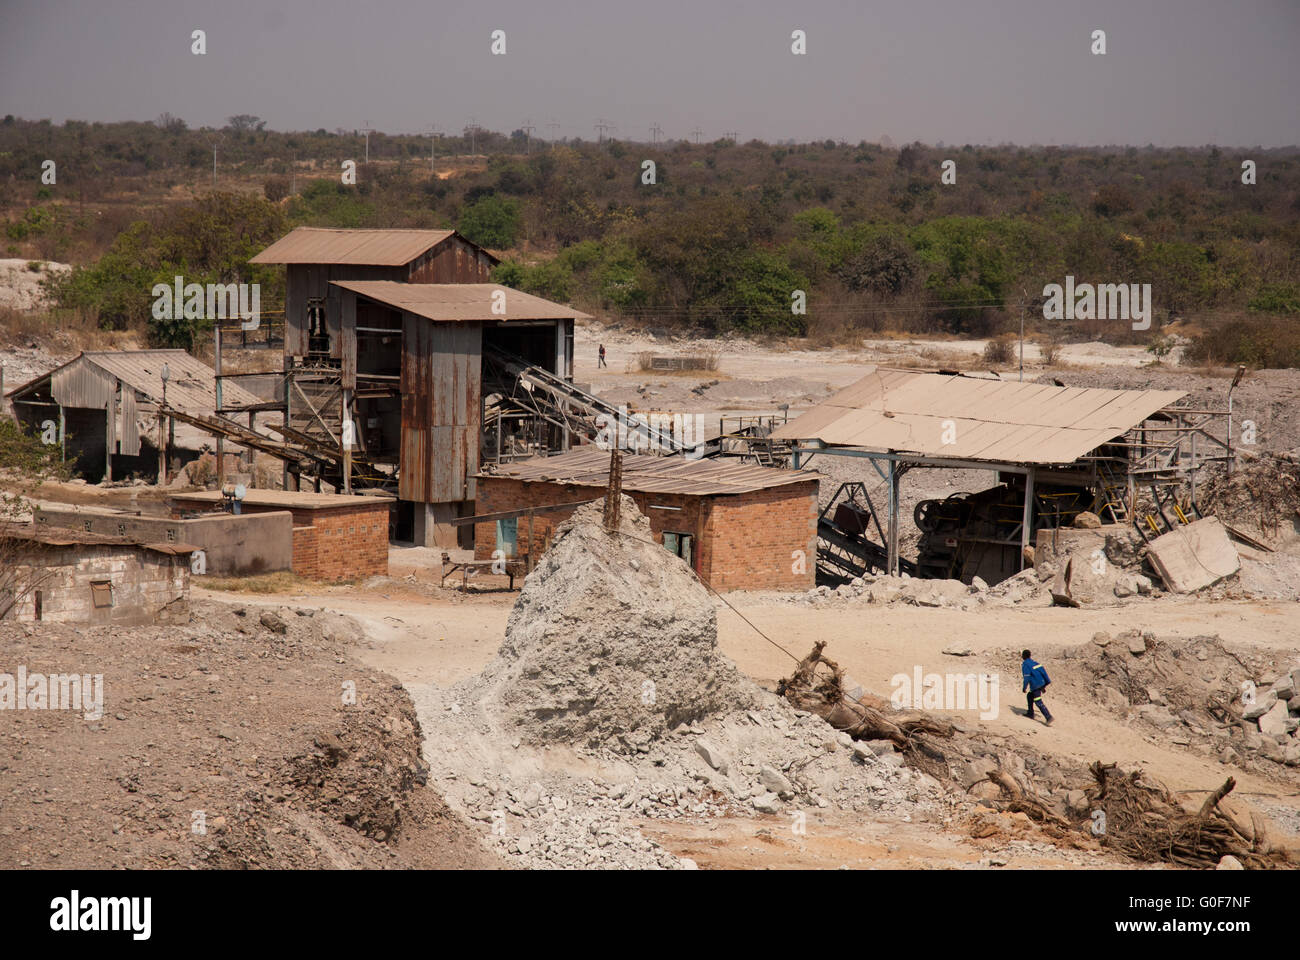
(223, 743)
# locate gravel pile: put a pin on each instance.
(610, 703)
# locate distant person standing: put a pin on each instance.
(1036, 681)
(601, 358)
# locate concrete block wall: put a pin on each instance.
(146, 585)
(233, 546)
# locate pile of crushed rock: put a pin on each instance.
(1026, 588)
(609, 702)
(1242, 709)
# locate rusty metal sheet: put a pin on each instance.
(999, 421)
(441, 390)
(386, 247)
(589, 466)
(459, 302)
(128, 431)
(81, 383)
(454, 260)
(89, 380)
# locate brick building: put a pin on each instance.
(740, 527)
(70, 576)
(335, 537)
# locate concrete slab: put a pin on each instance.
(1194, 556)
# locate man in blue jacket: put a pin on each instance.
(1036, 681)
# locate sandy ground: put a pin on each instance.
(419, 634)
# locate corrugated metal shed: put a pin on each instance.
(589, 466)
(88, 381)
(375, 248)
(993, 420)
(458, 301)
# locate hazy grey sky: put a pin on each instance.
(962, 71)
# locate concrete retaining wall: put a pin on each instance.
(233, 546)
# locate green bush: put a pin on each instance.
(490, 221)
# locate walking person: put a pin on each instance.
(601, 358)
(1036, 681)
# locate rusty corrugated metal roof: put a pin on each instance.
(374, 248)
(86, 381)
(459, 301)
(588, 466)
(1000, 421)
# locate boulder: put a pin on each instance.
(1194, 555)
(1264, 702)
(712, 756)
(1087, 520)
(775, 781)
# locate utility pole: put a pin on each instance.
(528, 129)
(696, 134)
(552, 126)
(731, 135)
(433, 136)
(215, 140)
(602, 125)
(656, 132)
(472, 129)
(367, 130)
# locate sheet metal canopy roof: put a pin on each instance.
(458, 301)
(588, 466)
(372, 248)
(192, 387)
(1001, 421)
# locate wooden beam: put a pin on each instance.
(510, 514)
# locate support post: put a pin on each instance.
(110, 436)
(614, 491)
(216, 369)
(1027, 521)
(63, 435)
(162, 449)
(891, 554)
(345, 431)
(528, 561)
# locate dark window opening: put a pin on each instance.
(679, 544)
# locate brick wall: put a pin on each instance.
(345, 542)
(741, 541)
(348, 543)
(752, 538)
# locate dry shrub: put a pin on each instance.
(1050, 348)
(203, 470)
(1000, 350)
